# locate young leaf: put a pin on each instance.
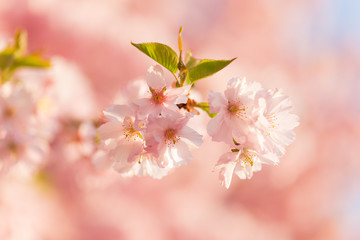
(190, 61)
(15, 56)
(205, 106)
(33, 60)
(207, 68)
(161, 53)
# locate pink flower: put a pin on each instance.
(17, 146)
(162, 98)
(167, 137)
(234, 110)
(123, 139)
(16, 105)
(243, 161)
(133, 90)
(19, 135)
(120, 135)
(275, 121)
(144, 164)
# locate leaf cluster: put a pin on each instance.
(189, 71)
(15, 56)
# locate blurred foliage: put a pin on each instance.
(15, 56)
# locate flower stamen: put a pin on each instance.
(158, 97)
(129, 132)
(246, 159)
(236, 108)
(170, 136)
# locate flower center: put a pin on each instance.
(170, 136)
(158, 97)
(236, 108)
(247, 159)
(129, 132)
(273, 120)
(273, 123)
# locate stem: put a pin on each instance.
(181, 65)
(205, 107)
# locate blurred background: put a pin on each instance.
(310, 49)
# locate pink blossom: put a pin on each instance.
(18, 146)
(162, 98)
(19, 139)
(235, 111)
(16, 105)
(143, 164)
(167, 137)
(243, 161)
(275, 121)
(132, 91)
(123, 138)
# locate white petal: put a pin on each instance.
(226, 158)
(226, 173)
(190, 134)
(118, 112)
(111, 130)
(125, 153)
(145, 106)
(181, 99)
(178, 91)
(243, 172)
(219, 130)
(269, 158)
(183, 152)
(155, 77)
(233, 89)
(217, 101)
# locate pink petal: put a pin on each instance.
(118, 112)
(219, 130)
(111, 130)
(183, 153)
(226, 173)
(155, 77)
(217, 101)
(191, 135)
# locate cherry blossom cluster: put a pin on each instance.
(20, 138)
(255, 123)
(150, 135)
(39, 119)
(149, 130)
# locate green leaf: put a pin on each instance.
(34, 61)
(15, 56)
(161, 53)
(190, 61)
(205, 107)
(206, 68)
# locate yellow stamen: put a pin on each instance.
(236, 108)
(170, 136)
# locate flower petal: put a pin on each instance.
(155, 77)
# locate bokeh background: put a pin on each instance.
(309, 48)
